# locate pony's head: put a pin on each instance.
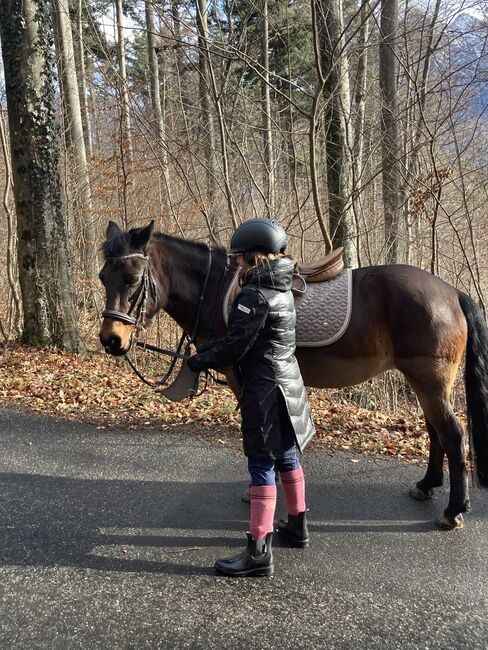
(131, 295)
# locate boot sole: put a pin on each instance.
(258, 573)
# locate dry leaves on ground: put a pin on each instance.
(103, 390)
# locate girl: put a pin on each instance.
(260, 343)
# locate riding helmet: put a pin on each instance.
(263, 235)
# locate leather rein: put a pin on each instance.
(137, 311)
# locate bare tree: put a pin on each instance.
(125, 117)
(44, 262)
(266, 110)
(390, 133)
(338, 127)
(208, 124)
(80, 176)
(79, 51)
(156, 104)
(11, 237)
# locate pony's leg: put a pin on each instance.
(452, 440)
(434, 475)
(433, 391)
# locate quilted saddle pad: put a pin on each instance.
(323, 310)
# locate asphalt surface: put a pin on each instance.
(108, 540)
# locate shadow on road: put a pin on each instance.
(123, 525)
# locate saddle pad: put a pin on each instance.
(323, 310)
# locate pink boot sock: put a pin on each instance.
(294, 487)
(263, 502)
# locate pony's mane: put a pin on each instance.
(183, 245)
(197, 251)
(120, 244)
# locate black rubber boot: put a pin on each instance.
(255, 560)
(294, 531)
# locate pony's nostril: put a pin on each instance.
(114, 343)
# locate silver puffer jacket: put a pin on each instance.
(260, 342)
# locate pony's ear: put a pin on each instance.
(141, 236)
(112, 229)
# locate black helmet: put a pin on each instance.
(263, 235)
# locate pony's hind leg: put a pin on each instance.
(434, 476)
(433, 387)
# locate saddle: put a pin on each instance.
(325, 268)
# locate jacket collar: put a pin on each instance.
(278, 275)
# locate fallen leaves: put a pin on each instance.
(104, 391)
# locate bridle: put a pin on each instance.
(138, 307)
(138, 300)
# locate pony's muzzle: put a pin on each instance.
(115, 337)
(112, 345)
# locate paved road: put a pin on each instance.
(108, 539)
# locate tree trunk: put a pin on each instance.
(44, 262)
(360, 105)
(314, 118)
(80, 176)
(156, 106)
(266, 111)
(208, 126)
(126, 136)
(12, 271)
(390, 132)
(338, 131)
(79, 52)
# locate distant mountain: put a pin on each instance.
(464, 49)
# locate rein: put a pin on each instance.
(176, 355)
(138, 306)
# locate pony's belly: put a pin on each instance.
(319, 371)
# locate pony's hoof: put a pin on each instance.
(450, 523)
(246, 495)
(416, 493)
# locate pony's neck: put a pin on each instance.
(183, 266)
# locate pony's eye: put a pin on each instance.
(130, 280)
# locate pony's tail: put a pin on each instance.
(476, 383)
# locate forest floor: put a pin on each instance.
(104, 391)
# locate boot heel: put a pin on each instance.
(267, 571)
(294, 532)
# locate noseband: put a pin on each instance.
(139, 299)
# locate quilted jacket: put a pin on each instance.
(260, 343)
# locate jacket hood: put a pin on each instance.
(278, 274)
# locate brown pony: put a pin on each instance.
(402, 317)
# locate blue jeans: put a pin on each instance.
(263, 471)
